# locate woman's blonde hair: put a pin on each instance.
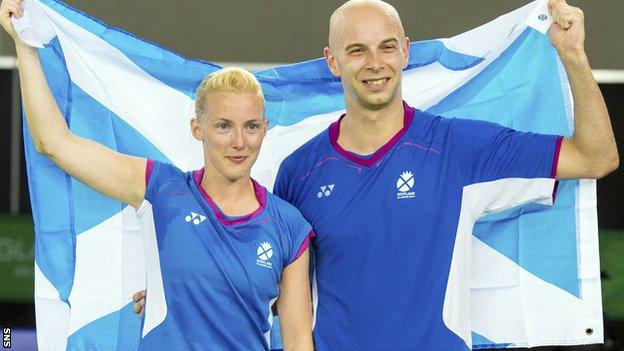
(231, 80)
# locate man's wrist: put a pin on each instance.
(574, 60)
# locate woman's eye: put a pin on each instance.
(253, 127)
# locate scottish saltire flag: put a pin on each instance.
(535, 274)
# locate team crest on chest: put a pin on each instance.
(405, 185)
(264, 254)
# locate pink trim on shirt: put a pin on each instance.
(334, 132)
(148, 170)
(259, 190)
(304, 245)
(554, 192)
(553, 170)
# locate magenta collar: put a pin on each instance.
(259, 190)
(334, 132)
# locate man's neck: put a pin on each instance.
(234, 198)
(363, 131)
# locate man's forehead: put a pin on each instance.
(354, 17)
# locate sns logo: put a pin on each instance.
(326, 190)
(196, 218)
(404, 186)
(264, 253)
(6, 337)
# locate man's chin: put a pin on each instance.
(376, 102)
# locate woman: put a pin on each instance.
(223, 247)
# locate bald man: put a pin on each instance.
(393, 192)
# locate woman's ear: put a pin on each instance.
(196, 130)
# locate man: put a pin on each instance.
(392, 246)
(392, 251)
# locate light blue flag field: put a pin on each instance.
(535, 275)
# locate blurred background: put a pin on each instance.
(258, 33)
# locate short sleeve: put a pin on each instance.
(156, 174)
(503, 168)
(299, 230)
(488, 151)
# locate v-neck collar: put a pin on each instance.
(259, 191)
(367, 161)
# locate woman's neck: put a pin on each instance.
(234, 198)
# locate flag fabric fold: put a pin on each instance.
(535, 274)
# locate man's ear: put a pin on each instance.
(196, 129)
(406, 51)
(331, 62)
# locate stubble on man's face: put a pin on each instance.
(368, 44)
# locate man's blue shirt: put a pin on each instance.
(393, 229)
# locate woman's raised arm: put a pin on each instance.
(117, 175)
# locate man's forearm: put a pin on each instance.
(593, 136)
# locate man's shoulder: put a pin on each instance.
(280, 205)
(282, 211)
(429, 126)
(306, 153)
(451, 129)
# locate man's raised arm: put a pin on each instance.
(591, 152)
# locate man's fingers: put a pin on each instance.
(139, 295)
(139, 301)
(553, 3)
(138, 307)
(13, 7)
(565, 15)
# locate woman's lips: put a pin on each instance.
(237, 159)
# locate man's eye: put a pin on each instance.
(223, 125)
(254, 126)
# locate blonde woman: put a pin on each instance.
(212, 275)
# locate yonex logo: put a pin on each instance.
(264, 253)
(195, 217)
(325, 190)
(404, 185)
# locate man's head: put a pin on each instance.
(229, 110)
(368, 50)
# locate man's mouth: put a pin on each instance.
(376, 83)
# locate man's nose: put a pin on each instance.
(375, 61)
